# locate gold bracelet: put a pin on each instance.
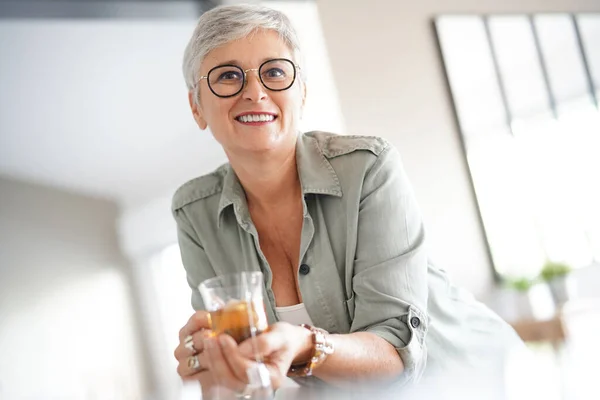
(322, 348)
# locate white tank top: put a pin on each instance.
(294, 315)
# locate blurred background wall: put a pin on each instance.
(68, 324)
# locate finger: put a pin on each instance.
(190, 366)
(238, 364)
(204, 359)
(185, 349)
(199, 320)
(220, 368)
(192, 344)
(204, 377)
(180, 352)
(199, 337)
(264, 344)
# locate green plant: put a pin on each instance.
(553, 270)
(520, 284)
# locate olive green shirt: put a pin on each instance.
(364, 265)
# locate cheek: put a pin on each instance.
(292, 105)
(217, 112)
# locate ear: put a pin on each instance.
(303, 94)
(303, 90)
(196, 110)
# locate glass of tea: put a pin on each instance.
(236, 307)
(235, 303)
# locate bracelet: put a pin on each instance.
(322, 348)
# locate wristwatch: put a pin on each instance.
(322, 348)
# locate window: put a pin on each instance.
(526, 90)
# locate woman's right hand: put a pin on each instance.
(207, 359)
(191, 344)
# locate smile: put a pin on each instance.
(256, 119)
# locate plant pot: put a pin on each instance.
(535, 303)
(562, 289)
(523, 307)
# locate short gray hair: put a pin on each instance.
(225, 24)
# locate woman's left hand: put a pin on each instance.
(278, 347)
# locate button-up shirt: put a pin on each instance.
(363, 262)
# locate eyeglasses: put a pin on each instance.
(228, 80)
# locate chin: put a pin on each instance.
(261, 146)
(261, 137)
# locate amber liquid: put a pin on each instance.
(240, 320)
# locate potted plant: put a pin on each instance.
(557, 276)
(520, 299)
(520, 284)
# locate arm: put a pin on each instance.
(360, 356)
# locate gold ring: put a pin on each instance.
(193, 363)
(188, 343)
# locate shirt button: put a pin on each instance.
(304, 269)
(415, 322)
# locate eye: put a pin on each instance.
(274, 73)
(229, 76)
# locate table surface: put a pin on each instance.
(550, 330)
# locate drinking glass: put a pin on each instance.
(236, 307)
(235, 303)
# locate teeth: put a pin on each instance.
(256, 118)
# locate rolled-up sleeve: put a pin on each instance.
(195, 262)
(390, 268)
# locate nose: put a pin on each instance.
(254, 90)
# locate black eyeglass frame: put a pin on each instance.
(295, 67)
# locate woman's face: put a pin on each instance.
(222, 115)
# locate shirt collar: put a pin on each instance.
(314, 170)
(233, 195)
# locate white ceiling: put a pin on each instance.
(99, 107)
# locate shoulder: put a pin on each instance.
(333, 145)
(199, 188)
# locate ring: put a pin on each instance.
(189, 344)
(193, 363)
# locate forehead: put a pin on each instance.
(248, 52)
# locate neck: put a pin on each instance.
(269, 179)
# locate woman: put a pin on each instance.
(330, 220)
